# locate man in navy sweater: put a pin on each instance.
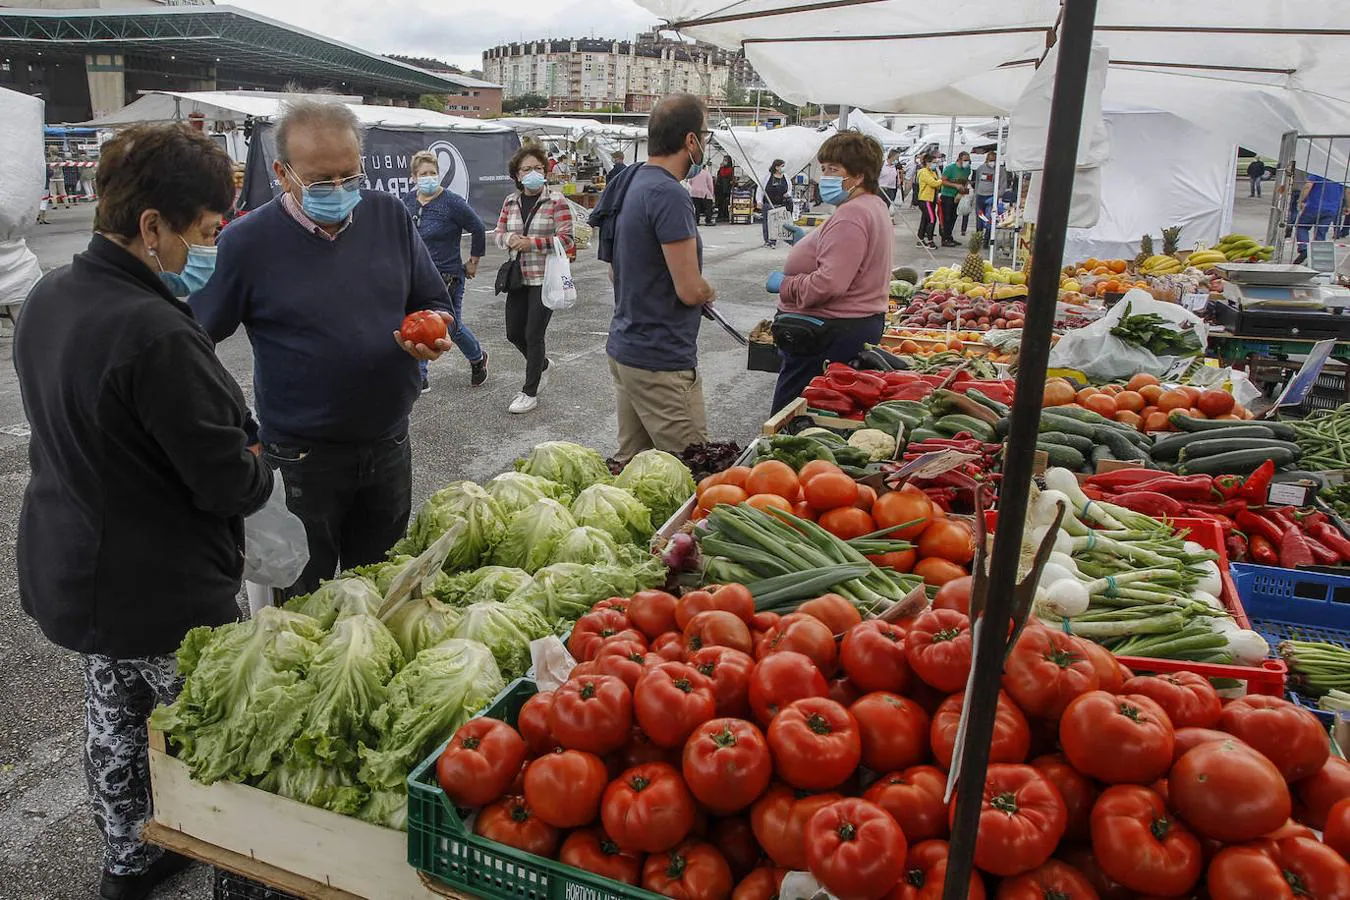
(321, 279)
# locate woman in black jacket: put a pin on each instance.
(776, 191)
(131, 531)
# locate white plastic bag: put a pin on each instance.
(559, 290)
(966, 205)
(1095, 352)
(276, 548)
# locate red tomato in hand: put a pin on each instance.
(1322, 790)
(594, 851)
(1046, 670)
(423, 327)
(624, 660)
(1012, 734)
(652, 612)
(1077, 791)
(1189, 700)
(729, 670)
(938, 649)
(1288, 736)
(838, 614)
(1123, 739)
(779, 821)
(815, 744)
(564, 787)
(1225, 791)
(671, 700)
(1021, 820)
(692, 871)
(1336, 833)
(727, 765)
(1295, 868)
(1140, 845)
(803, 634)
(1051, 879)
(594, 629)
(873, 656)
(510, 821)
(532, 722)
(855, 849)
(593, 713)
(914, 798)
(781, 678)
(480, 762)
(647, 809)
(925, 875)
(736, 841)
(716, 628)
(761, 884)
(893, 731)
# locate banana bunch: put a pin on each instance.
(1241, 247)
(1161, 265)
(1203, 259)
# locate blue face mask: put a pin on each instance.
(533, 181)
(428, 185)
(201, 263)
(832, 189)
(330, 209)
(696, 167)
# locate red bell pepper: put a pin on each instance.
(1095, 493)
(1262, 551)
(1236, 545)
(829, 400)
(1179, 487)
(897, 379)
(1322, 554)
(1294, 549)
(1255, 525)
(1226, 509)
(843, 368)
(1228, 486)
(1224, 523)
(1330, 536)
(933, 379)
(865, 392)
(916, 390)
(1150, 503)
(1255, 488)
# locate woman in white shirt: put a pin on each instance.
(889, 178)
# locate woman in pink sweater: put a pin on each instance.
(833, 289)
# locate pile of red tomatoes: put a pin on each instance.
(702, 751)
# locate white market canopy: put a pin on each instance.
(1250, 71)
(234, 106)
(569, 128)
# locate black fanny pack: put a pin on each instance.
(800, 335)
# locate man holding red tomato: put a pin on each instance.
(321, 278)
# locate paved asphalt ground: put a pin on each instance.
(49, 848)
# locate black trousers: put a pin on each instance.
(948, 216)
(527, 321)
(927, 219)
(705, 209)
(353, 498)
(846, 339)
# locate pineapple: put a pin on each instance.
(1170, 236)
(1145, 250)
(973, 267)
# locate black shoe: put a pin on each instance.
(948, 242)
(426, 385)
(140, 886)
(479, 370)
(1302, 255)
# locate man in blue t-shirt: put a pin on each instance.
(659, 288)
(1322, 201)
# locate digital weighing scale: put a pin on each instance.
(1278, 300)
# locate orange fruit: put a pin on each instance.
(719, 494)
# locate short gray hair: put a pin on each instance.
(306, 112)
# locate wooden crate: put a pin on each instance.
(797, 408)
(289, 846)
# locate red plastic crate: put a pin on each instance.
(1268, 678)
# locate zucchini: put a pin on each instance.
(951, 402)
(1121, 446)
(1061, 455)
(979, 397)
(926, 433)
(1050, 421)
(1099, 453)
(1074, 411)
(1225, 443)
(1168, 446)
(1236, 462)
(1078, 442)
(1183, 422)
(952, 425)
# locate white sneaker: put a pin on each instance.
(523, 403)
(543, 376)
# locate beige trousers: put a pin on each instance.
(658, 409)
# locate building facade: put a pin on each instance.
(597, 75)
(475, 99)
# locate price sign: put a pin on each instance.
(1297, 390)
(1195, 302)
(931, 465)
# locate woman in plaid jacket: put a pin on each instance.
(531, 218)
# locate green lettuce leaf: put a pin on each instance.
(329, 787)
(569, 464)
(487, 583)
(563, 592)
(586, 545)
(614, 511)
(427, 700)
(506, 629)
(387, 807)
(462, 500)
(659, 480)
(515, 491)
(532, 535)
(336, 599)
(419, 624)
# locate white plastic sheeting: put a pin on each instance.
(753, 150)
(605, 138)
(861, 121)
(23, 181)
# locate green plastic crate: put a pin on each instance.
(440, 844)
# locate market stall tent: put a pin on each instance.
(588, 134)
(22, 183)
(753, 150)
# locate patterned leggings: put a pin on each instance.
(118, 697)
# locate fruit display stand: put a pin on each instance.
(302, 850)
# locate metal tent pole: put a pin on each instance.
(1066, 113)
(999, 148)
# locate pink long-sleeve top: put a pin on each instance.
(842, 270)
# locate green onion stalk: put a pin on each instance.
(1318, 666)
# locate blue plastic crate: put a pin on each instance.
(1295, 604)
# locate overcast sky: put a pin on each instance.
(457, 31)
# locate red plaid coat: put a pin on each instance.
(552, 218)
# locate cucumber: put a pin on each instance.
(1236, 462)
(1074, 411)
(1061, 455)
(1169, 446)
(926, 433)
(1078, 442)
(1121, 446)
(1181, 422)
(955, 424)
(1069, 425)
(1226, 443)
(978, 396)
(1099, 453)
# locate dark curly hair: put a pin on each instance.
(527, 149)
(174, 169)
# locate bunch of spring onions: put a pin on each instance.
(1124, 580)
(1320, 668)
(785, 560)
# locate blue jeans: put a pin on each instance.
(846, 339)
(984, 206)
(1319, 219)
(464, 338)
